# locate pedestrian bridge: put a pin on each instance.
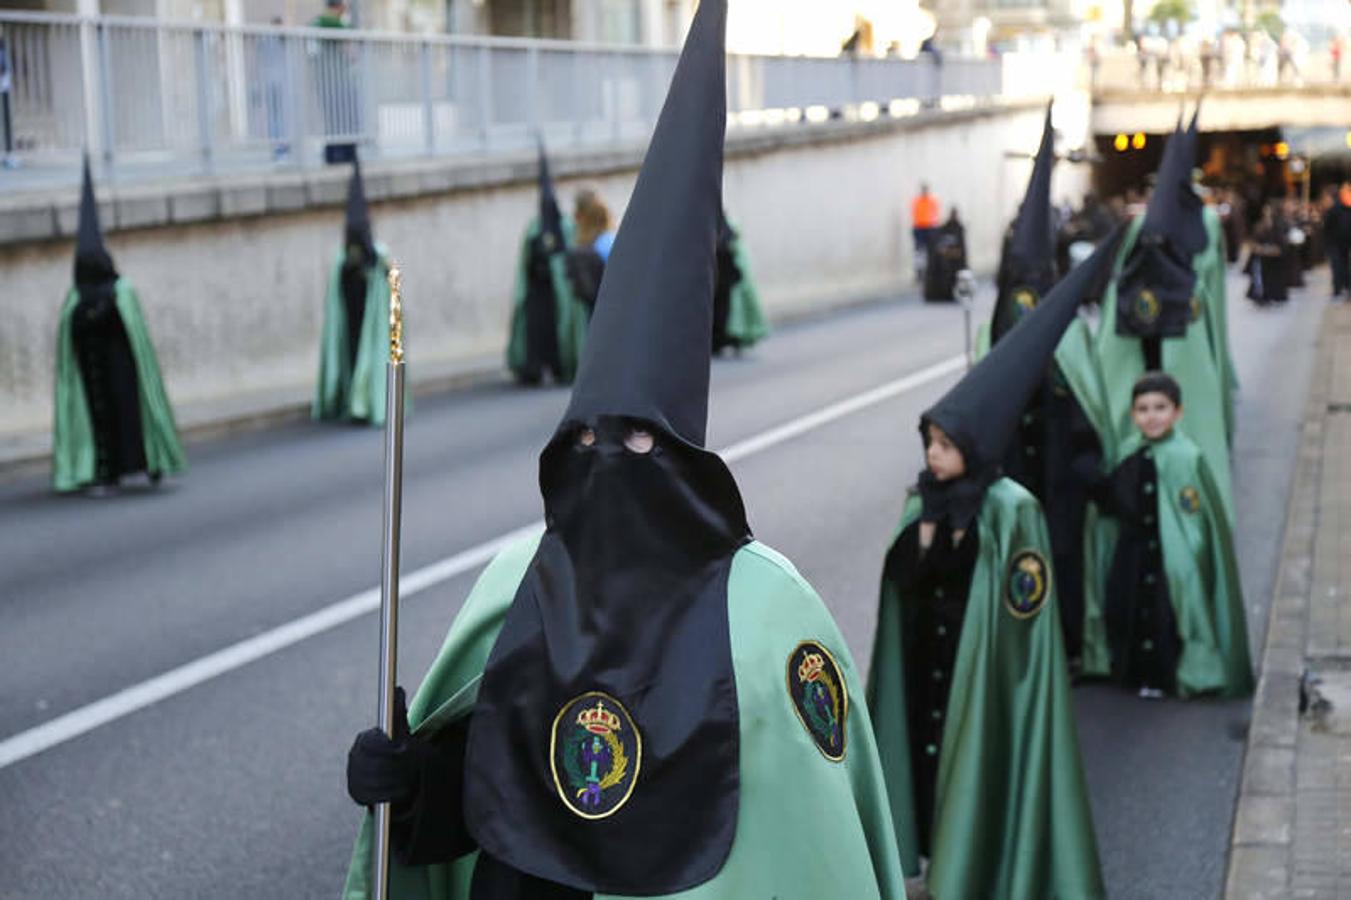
(1227, 109)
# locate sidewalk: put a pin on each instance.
(1292, 830)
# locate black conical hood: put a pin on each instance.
(1174, 211)
(550, 216)
(93, 263)
(982, 411)
(648, 350)
(357, 232)
(1027, 268)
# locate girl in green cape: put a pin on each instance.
(968, 688)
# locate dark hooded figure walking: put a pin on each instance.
(738, 321)
(355, 338)
(968, 687)
(947, 257)
(1055, 451)
(555, 289)
(1158, 315)
(642, 700)
(112, 415)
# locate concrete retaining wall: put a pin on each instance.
(234, 299)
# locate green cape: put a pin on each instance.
(746, 323)
(1210, 265)
(1201, 569)
(73, 449)
(806, 827)
(571, 314)
(1189, 359)
(354, 392)
(1012, 817)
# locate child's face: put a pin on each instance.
(944, 459)
(1155, 414)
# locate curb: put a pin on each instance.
(1262, 841)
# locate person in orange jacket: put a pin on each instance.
(925, 215)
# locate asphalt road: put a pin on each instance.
(234, 787)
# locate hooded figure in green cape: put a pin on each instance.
(642, 700)
(1155, 319)
(738, 321)
(355, 338)
(554, 292)
(1056, 449)
(1212, 288)
(1165, 613)
(112, 416)
(968, 688)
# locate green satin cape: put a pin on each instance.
(746, 323)
(807, 827)
(1012, 817)
(1201, 570)
(1190, 360)
(1211, 270)
(571, 314)
(347, 391)
(73, 449)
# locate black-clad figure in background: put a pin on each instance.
(112, 416)
(738, 321)
(1337, 240)
(947, 257)
(1267, 266)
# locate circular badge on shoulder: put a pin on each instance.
(1028, 583)
(595, 751)
(1024, 300)
(1147, 306)
(820, 697)
(1189, 499)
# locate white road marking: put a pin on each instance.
(175, 681)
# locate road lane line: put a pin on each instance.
(175, 681)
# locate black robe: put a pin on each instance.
(1142, 632)
(947, 257)
(939, 581)
(1268, 267)
(111, 386)
(1055, 456)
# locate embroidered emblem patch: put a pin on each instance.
(1029, 581)
(1147, 306)
(1024, 301)
(1190, 500)
(595, 752)
(820, 697)
(1197, 309)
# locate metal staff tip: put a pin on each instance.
(395, 315)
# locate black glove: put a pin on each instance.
(384, 769)
(934, 497)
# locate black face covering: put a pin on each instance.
(1154, 291)
(623, 613)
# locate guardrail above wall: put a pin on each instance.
(198, 98)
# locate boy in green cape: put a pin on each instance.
(1166, 614)
(553, 297)
(738, 321)
(642, 700)
(968, 687)
(355, 337)
(112, 416)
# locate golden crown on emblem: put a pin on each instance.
(598, 719)
(810, 667)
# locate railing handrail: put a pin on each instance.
(432, 38)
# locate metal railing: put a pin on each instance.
(200, 97)
(1228, 67)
